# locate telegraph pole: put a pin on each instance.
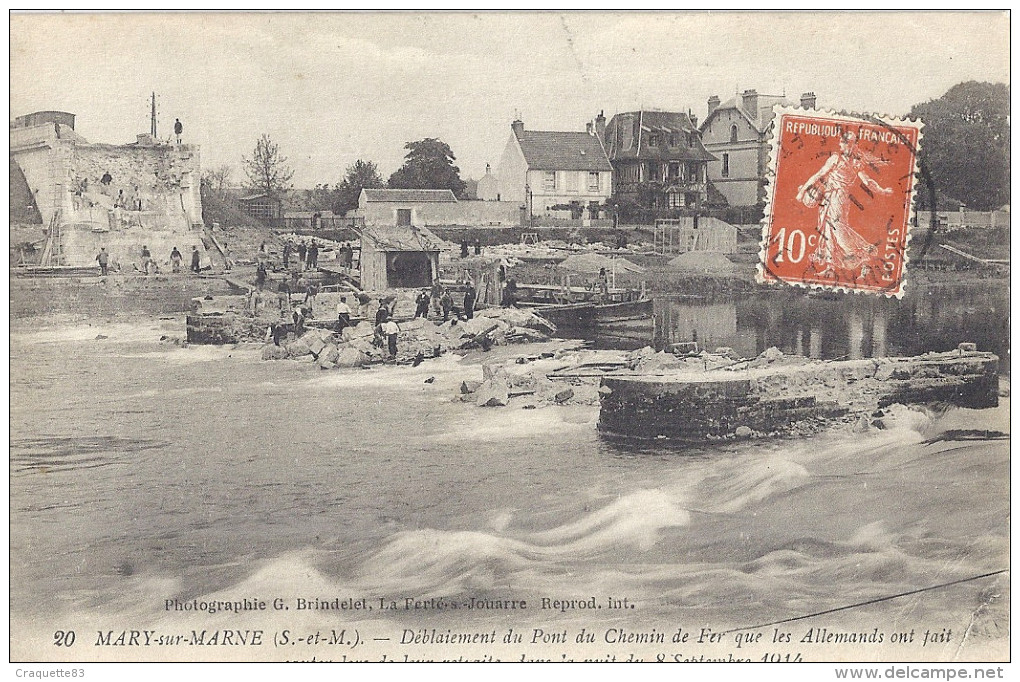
(153, 116)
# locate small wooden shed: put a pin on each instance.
(398, 257)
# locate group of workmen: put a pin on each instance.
(148, 263)
(308, 254)
(440, 301)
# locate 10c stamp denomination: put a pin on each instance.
(840, 201)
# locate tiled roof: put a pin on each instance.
(410, 196)
(401, 238)
(552, 151)
(624, 131)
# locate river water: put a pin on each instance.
(142, 472)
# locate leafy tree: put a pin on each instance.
(358, 176)
(966, 144)
(267, 169)
(320, 198)
(428, 165)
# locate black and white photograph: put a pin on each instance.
(560, 336)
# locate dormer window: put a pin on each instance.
(733, 133)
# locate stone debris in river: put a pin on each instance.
(563, 396)
(351, 357)
(492, 393)
(417, 340)
(273, 352)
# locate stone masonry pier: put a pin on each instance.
(731, 403)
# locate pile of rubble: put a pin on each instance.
(574, 376)
(418, 339)
(564, 376)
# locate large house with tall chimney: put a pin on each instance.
(659, 161)
(736, 133)
(555, 175)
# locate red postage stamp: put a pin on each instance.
(840, 202)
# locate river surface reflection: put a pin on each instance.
(836, 326)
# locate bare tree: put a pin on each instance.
(218, 179)
(267, 169)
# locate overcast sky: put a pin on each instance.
(332, 88)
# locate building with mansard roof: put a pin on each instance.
(658, 159)
(736, 132)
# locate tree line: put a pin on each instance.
(428, 164)
(964, 158)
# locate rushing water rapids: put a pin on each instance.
(146, 477)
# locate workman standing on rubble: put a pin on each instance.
(299, 321)
(313, 255)
(437, 294)
(446, 302)
(469, 302)
(176, 259)
(343, 314)
(284, 291)
(178, 129)
(422, 304)
(383, 313)
(196, 260)
(104, 261)
(390, 330)
(310, 293)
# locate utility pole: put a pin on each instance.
(153, 116)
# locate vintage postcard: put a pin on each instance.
(508, 337)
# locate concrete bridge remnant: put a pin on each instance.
(120, 197)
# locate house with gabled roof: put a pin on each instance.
(658, 159)
(555, 174)
(736, 132)
(429, 207)
(401, 207)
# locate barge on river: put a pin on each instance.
(585, 311)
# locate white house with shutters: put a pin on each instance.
(555, 174)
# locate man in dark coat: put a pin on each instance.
(469, 302)
(313, 255)
(422, 303)
(383, 313)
